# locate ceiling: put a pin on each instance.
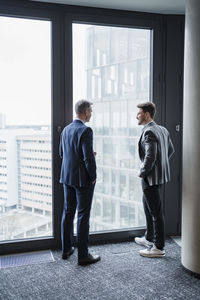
(153, 6)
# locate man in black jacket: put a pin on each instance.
(155, 150)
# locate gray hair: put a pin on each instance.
(81, 106)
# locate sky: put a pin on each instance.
(25, 71)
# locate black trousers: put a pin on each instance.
(80, 198)
(154, 214)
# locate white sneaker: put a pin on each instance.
(152, 251)
(143, 241)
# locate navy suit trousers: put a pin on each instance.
(80, 198)
(154, 214)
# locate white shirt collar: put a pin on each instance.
(80, 120)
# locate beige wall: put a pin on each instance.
(191, 140)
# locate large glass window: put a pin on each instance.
(111, 68)
(25, 129)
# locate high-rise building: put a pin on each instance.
(34, 173)
(25, 182)
(118, 78)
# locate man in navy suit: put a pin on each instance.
(155, 150)
(78, 176)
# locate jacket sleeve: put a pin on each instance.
(60, 147)
(150, 149)
(170, 149)
(88, 153)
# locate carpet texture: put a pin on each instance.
(121, 274)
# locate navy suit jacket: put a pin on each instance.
(76, 150)
(155, 150)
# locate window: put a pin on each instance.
(111, 68)
(25, 129)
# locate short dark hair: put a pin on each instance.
(148, 107)
(81, 106)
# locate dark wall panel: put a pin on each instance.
(173, 117)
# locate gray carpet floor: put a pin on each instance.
(121, 274)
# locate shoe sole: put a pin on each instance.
(152, 255)
(142, 244)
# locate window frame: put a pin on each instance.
(62, 17)
(121, 19)
(37, 12)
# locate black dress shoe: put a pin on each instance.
(90, 259)
(67, 254)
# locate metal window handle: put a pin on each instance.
(178, 127)
(59, 129)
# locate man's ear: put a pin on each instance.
(147, 115)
